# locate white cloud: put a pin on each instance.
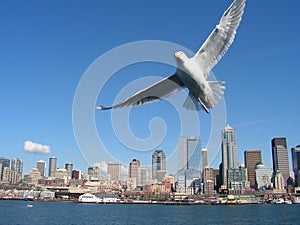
(33, 147)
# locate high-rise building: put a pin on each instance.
(279, 181)
(76, 174)
(229, 152)
(189, 158)
(4, 162)
(145, 175)
(41, 166)
(134, 170)
(204, 158)
(252, 157)
(114, 171)
(189, 153)
(280, 158)
(158, 164)
(69, 168)
(237, 179)
(296, 163)
(52, 166)
(17, 166)
(263, 176)
(208, 181)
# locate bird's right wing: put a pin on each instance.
(151, 94)
(218, 42)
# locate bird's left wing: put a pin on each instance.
(151, 94)
(221, 37)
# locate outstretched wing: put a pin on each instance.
(151, 94)
(221, 37)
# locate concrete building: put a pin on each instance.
(279, 181)
(158, 165)
(69, 168)
(41, 166)
(252, 157)
(134, 171)
(52, 166)
(114, 171)
(144, 175)
(280, 157)
(62, 173)
(263, 176)
(204, 159)
(208, 181)
(229, 153)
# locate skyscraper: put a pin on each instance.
(41, 166)
(204, 158)
(280, 158)
(296, 163)
(158, 163)
(17, 166)
(114, 171)
(69, 168)
(52, 167)
(189, 153)
(263, 176)
(189, 158)
(4, 162)
(134, 170)
(252, 157)
(229, 152)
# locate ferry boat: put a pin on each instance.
(89, 198)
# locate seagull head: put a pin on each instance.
(180, 56)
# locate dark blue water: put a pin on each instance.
(16, 212)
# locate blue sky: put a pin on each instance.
(46, 47)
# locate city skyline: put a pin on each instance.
(47, 47)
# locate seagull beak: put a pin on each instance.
(177, 54)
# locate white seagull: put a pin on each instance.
(192, 73)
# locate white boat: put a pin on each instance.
(89, 198)
(29, 205)
(296, 200)
(279, 201)
(289, 202)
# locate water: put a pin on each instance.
(16, 212)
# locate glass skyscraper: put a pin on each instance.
(158, 164)
(17, 166)
(296, 163)
(189, 158)
(229, 152)
(4, 162)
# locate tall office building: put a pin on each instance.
(280, 158)
(17, 166)
(204, 158)
(114, 171)
(4, 162)
(52, 166)
(296, 163)
(69, 168)
(144, 175)
(158, 164)
(229, 152)
(134, 170)
(41, 166)
(189, 153)
(252, 157)
(189, 158)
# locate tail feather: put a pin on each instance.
(218, 88)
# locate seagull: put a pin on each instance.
(192, 73)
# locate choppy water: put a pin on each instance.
(16, 212)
